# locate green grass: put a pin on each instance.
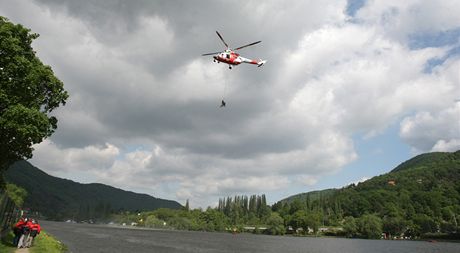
(45, 243)
(6, 244)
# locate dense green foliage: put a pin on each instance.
(62, 199)
(420, 196)
(244, 209)
(232, 214)
(29, 92)
(16, 193)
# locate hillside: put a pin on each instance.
(426, 184)
(429, 160)
(424, 171)
(58, 198)
(310, 196)
(422, 193)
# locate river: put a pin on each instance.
(87, 238)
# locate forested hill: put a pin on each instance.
(423, 193)
(58, 198)
(430, 160)
(432, 163)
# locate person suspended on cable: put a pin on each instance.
(223, 103)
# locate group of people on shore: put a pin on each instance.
(25, 230)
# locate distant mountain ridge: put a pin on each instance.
(419, 167)
(58, 198)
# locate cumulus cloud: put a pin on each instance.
(143, 109)
(88, 158)
(447, 146)
(400, 19)
(438, 131)
(363, 179)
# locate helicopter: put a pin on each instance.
(231, 58)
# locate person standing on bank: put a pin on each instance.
(25, 233)
(17, 230)
(34, 231)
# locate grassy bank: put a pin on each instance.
(43, 243)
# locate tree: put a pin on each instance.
(187, 206)
(264, 210)
(295, 206)
(424, 224)
(350, 227)
(275, 224)
(370, 226)
(152, 221)
(29, 92)
(164, 214)
(252, 204)
(214, 220)
(313, 220)
(395, 226)
(16, 193)
(299, 220)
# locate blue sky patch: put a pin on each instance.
(353, 6)
(377, 155)
(433, 62)
(437, 39)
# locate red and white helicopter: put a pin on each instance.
(231, 58)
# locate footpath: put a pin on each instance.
(23, 250)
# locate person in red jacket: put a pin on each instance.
(34, 231)
(25, 233)
(17, 230)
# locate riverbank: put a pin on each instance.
(43, 243)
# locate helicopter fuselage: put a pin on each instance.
(232, 58)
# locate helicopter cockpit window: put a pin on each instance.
(228, 56)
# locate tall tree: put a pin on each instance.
(29, 92)
(187, 206)
(252, 204)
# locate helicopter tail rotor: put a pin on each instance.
(261, 63)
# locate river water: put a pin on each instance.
(87, 238)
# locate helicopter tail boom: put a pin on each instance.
(259, 62)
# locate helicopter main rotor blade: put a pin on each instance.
(238, 48)
(218, 34)
(211, 53)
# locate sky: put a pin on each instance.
(351, 89)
